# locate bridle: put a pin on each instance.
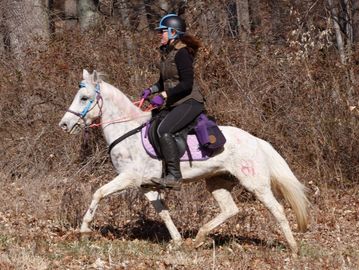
(90, 106)
(99, 101)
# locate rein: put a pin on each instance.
(124, 136)
(99, 102)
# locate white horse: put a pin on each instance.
(254, 162)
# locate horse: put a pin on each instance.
(253, 162)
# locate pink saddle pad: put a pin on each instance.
(195, 152)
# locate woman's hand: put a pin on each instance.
(146, 93)
(158, 100)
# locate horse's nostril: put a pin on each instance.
(63, 126)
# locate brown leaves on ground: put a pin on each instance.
(33, 238)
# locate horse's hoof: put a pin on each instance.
(174, 245)
(188, 242)
(90, 236)
(72, 235)
(198, 244)
(85, 230)
(177, 243)
(199, 241)
(295, 253)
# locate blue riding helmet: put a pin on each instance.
(171, 22)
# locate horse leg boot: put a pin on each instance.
(172, 179)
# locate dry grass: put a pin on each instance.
(129, 235)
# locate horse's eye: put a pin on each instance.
(84, 98)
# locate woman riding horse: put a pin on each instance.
(178, 95)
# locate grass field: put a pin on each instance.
(39, 222)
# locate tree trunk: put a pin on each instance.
(2, 31)
(88, 16)
(27, 26)
(355, 12)
(243, 19)
(277, 18)
(254, 14)
(348, 17)
(163, 6)
(131, 48)
(338, 34)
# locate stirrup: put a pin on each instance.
(164, 183)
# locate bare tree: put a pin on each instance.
(243, 19)
(254, 13)
(339, 38)
(87, 11)
(2, 31)
(276, 15)
(26, 26)
(355, 13)
(164, 5)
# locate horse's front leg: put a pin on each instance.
(155, 198)
(120, 182)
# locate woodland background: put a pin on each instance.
(285, 71)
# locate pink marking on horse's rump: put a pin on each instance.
(247, 168)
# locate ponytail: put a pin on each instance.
(193, 43)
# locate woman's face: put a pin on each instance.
(164, 36)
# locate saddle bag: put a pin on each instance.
(210, 137)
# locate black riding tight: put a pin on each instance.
(180, 116)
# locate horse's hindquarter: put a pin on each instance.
(240, 141)
(240, 148)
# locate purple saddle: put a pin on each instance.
(196, 153)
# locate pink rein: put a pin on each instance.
(138, 103)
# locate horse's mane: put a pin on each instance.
(118, 95)
(101, 75)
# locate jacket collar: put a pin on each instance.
(178, 44)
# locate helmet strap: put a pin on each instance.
(170, 35)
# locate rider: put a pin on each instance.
(178, 94)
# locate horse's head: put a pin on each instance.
(86, 105)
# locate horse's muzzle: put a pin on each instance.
(72, 129)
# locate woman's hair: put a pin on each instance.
(193, 43)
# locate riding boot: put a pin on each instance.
(173, 177)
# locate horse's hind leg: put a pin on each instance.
(155, 198)
(266, 196)
(220, 190)
(119, 183)
(260, 185)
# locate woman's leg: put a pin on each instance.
(180, 117)
(177, 119)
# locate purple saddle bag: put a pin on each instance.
(210, 137)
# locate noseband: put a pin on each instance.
(89, 107)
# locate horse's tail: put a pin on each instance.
(284, 181)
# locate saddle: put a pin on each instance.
(200, 140)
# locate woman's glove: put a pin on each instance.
(157, 101)
(146, 93)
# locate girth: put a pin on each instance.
(124, 136)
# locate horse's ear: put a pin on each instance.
(85, 74)
(96, 77)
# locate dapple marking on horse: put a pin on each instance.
(253, 161)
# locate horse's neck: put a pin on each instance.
(119, 114)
